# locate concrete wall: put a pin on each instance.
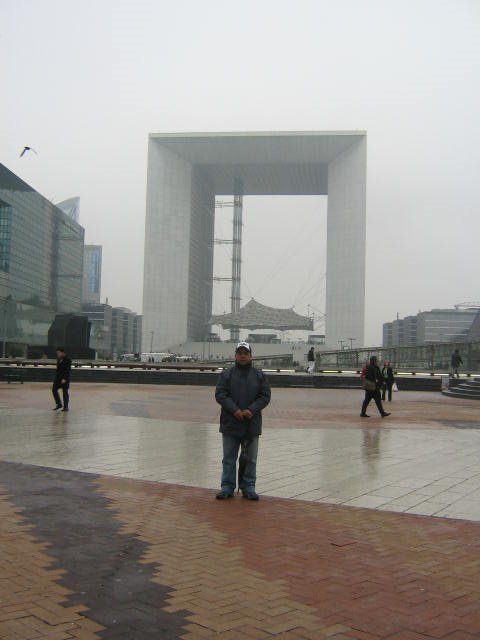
(345, 282)
(167, 247)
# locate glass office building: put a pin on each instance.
(71, 207)
(41, 263)
(92, 273)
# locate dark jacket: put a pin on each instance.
(374, 374)
(311, 355)
(456, 360)
(387, 373)
(242, 388)
(63, 370)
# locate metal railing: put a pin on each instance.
(433, 357)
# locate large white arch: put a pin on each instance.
(185, 173)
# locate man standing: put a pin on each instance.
(372, 383)
(456, 362)
(242, 391)
(311, 360)
(62, 379)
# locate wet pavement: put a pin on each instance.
(111, 529)
(429, 465)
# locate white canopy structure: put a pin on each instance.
(258, 316)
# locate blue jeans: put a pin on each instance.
(231, 446)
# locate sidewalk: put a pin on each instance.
(94, 549)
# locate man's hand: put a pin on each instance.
(63, 381)
(247, 414)
(239, 415)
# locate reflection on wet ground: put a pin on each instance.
(423, 471)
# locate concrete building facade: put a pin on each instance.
(437, 325)
(185, 174)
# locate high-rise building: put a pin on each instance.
(41, 262)
(185, 174)
(437, 325)
(100, 317)
(92, 273)
(126, 331)
(71, 207)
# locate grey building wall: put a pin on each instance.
(444, 325)
(167, 246)
(345, 282)
(200, 268)
(437, 325)
(137, 334)
(100, 317)
(387, 340)
(124, 331)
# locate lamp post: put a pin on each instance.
(352, 340)
(152, 333)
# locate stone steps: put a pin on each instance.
(469, 389)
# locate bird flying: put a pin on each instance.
(25, 149)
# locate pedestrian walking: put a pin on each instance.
(364, 370)
(388, 380)
(311, 360)
(456, 361)
(372, 383)
(242, 391)
(62, 380)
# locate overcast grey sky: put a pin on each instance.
(84, 82)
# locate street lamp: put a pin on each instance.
(152, 333)
(352, 340)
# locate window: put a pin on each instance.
(5, 235)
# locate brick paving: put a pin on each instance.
(101, 557)
(96, 555)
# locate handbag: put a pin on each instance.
(369, 385)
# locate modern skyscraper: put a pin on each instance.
(92, 273)
(41, 261)
(71, 207)
(185, 174)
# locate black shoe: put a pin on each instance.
(364, 415)
(385, 414)
(250, 495)
(65, 409)
(223, 495)
(59, 406)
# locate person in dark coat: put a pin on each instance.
(311, 360)
(242, 391)
(62, 380)
(388, 380)
(456, 361)
(374, 376)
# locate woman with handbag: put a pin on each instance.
(388, 380)
(373, 383)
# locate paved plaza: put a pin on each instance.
(366, 529)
